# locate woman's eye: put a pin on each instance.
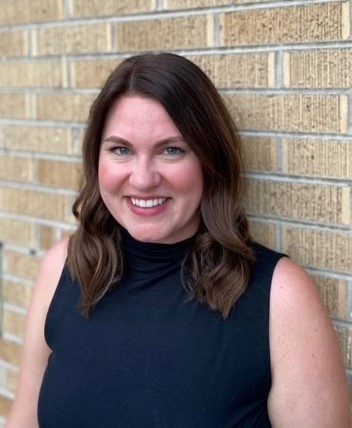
(121, 151)
(174, 151)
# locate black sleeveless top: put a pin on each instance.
(149, 358)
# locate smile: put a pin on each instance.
(147, 203)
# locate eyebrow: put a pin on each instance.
(119, 140)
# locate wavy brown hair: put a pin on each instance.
(218, 268)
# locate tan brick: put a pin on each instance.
(31, 74)
(16, 12)
(11, 379)
(16, 293)
(264, 233)
(13, 323)
(37, 139)
(345, 337)
(5, 405)
(13, 43)
(259, 153)
(318, 157)
(73, 39)
(16, 168)
(238, 70)
(300, 201)
(48, 236)
(13, 105)
(10, 352)
(17, 232)
(186, 4)
(319, 248)
(168, 33)
(302, 113)
(34, 203)
(326, 68)
(77, 139)
(290, 24)
(70, 107)
(59, 173)
(92, 73)
(22, 265)
(83, 8)
(334, 294)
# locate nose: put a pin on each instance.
(144, 175)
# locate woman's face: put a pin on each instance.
(149, 178)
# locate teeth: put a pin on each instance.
(147, 203)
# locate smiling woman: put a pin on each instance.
(160, 311)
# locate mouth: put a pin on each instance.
(148, 203)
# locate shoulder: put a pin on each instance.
(309, 381)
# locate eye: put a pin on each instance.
(121, 151)
(174, 151)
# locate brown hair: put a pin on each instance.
(217, 270)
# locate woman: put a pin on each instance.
(160, 311)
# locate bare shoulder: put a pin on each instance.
(309, 382)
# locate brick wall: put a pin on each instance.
(284, 68)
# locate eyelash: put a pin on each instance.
(170, 151)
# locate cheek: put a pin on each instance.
(190, 182)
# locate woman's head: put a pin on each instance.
(195, 107)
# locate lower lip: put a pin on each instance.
(147, 212)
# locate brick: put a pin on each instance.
(5, 405)
(34, 203)
(334, 293)
(37, 139)
(324, 68)
(18, 232)
(185, 32)
(13, 43)
(11, 380)
(48, 236)
(14, 168)
(73, 39)
(77, 139)
(295, 113)
(345, 337)
(83, 8)
(13, 323)
(300, 201)
(318, 157)
(62, 174)
(239, 70)
(187, 4)
(66, 107)
(290, 24)
(260, 153)
(31, 74)
(16, 293)
(92, 73)
(21, 265)
(321, 249)
(15, 12)
(264, 233)
(10, 352)
(13, 105)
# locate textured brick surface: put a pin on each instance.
(73, 39)
(59, 173)
(334, 293)
(184, 4)
(345, 336)
(84, 8)
(37, 139)
(13, 43)
(92, 73)
(16, 231)
(306, 113)
(317, 203)
(319, 248)
(16, 293)
(13, 323)
(18, 11)
(4, 405)
(181, 33)
(260, 153)
(13, 105)
(296, 24)
(34, 74)
(324, 68)
(68, 107)
(238, 71)
(318, 157)
(9, 352)
(48, 236)
(15, 168)
(263, 233)
(27, 263)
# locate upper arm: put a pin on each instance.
(309, 386)
(35, 350)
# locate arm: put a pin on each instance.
(309, 388)
(35, 350)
